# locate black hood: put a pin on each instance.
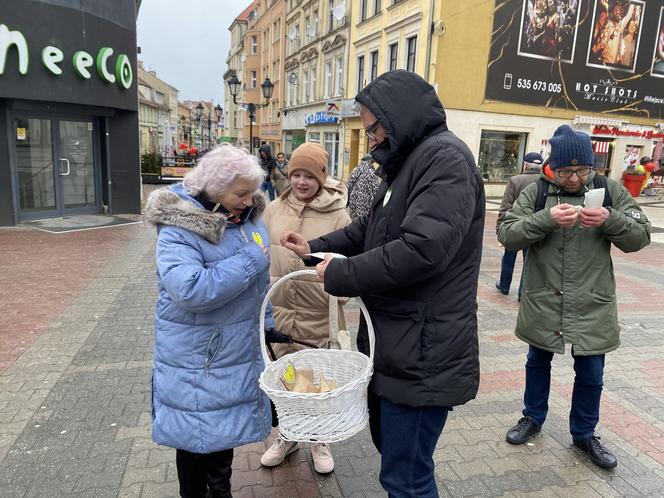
(266, 149)
(408, 109)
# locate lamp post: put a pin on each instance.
(186, 130)
(218, 113)
(199, 120)
(267, 86)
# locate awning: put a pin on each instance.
(601, 147)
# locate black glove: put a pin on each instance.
(272, 336)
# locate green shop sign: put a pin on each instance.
(52, 57)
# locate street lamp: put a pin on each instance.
(186, 130)
(219, 111)
(267, 87)
(199, 120)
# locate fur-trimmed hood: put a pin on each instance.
(175, 207)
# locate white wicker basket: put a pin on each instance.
(326, 417)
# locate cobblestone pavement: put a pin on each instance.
(75, 354)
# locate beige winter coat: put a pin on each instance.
(301, 307)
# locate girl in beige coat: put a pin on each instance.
(313, 206)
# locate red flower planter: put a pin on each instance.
(633, 184)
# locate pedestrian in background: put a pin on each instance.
(280, 174)
(362, 186)
(268, 164)
(314, 205)
(532, 165)
(569, 286)
(212, 276)
(414, 261)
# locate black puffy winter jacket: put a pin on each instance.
(415, 259)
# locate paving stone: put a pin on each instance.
(88, 374)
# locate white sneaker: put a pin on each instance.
(276, 453)
(322, 455)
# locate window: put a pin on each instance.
(314, 136)
(314, 89)
(360, 73)
(394, 54)
(254, 44)
(305, 86)
(328, 79)
(331, 26)
(411, 47)
(307, 29)
(332, 147)
(363, 10)
(314, 26)
(253, 79)
(276, 30)
(501, 154)
(339, 66)
(296, 41)
(376, 6)
(374, 65)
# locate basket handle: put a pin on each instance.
(273, 289)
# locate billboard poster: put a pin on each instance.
(657, 69)
(603, 56)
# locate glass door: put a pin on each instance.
(56, 167)
(76, 164)
(35, 168)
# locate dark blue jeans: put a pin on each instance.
(507, 270)
(588, 382)
(267, 186)
(406, 438)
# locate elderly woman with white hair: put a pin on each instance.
(212, 277)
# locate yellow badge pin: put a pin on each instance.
(257, 238)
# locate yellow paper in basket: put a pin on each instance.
(288, 376)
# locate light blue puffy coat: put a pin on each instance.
(212, 279)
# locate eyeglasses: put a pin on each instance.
(567, 173)
(370, 131)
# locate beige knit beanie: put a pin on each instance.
(312, 158)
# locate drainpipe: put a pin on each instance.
(429, 39)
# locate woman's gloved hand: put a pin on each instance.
(274, 336)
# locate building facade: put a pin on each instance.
(519, 83)
(157, 113)
(269, 27)
(385, 35)
(316, 69)
(233, 114)
(68, 109)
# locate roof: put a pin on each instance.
(244, 15)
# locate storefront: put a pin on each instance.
(535, 83)
(292, 124)
(324, 129)
(68, 109)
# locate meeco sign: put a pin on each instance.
(53, 58)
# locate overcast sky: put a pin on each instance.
(187, 43)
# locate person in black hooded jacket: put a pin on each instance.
(268, 163)
(414, 260)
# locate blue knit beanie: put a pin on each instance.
(570, 148)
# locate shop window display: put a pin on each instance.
(501, 154)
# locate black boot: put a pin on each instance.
(597, 452)
(521, 432)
